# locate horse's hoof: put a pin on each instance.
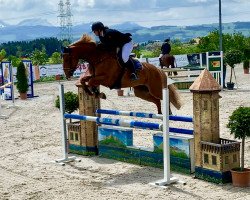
(102, 96)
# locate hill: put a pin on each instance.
(37, 28)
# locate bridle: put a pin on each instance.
(67, 68)
(92, 61)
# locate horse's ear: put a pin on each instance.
(66, 50)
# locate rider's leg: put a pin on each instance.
(126, 51)
(131, 66)
(160, 62)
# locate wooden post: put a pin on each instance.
(89, 130)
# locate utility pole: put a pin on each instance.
(65, 17)
(68, 19)
(220, 26)
(61, 17)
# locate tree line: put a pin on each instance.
(40, 51)
(48, 50)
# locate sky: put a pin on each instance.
(143, 12)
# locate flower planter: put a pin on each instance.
(230, 86)
(58, 77)
(241, 178)
(120, 92)
(246, 70)
(23, 96)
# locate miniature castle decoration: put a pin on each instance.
(214, 156)
(83, 134)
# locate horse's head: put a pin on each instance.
(80, 49)
(70, 62)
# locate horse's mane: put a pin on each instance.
(83, 40)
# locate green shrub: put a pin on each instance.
(233, 57)
(239, 125)
(245, 64)
(22, 79)
(71, 102)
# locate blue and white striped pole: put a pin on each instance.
(129, 113)
(117, 122)
(144, 115)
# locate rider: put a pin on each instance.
(113, 39)
(165, 49)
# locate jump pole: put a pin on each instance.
(144, 115)
(65, 158)
(168, 178)
(2, 87)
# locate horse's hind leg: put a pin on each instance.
(143, 93)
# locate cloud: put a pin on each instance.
(144, 12)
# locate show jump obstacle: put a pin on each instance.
(168, 178)
(213, 157)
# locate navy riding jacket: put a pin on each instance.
(165, 48)
(113, 38)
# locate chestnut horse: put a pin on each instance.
(168, 60)
(105, 70)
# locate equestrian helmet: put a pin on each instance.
(167, 40)
(97, 26)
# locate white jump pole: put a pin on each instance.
(168, 178)
(12, 86)
(64, 130)
(1, 88)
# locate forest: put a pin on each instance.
(48, 50)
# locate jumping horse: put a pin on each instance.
(105, 70)
(167, 61)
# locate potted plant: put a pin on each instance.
(246, 66)
(232, 57)
(120, 92)
(246, 61)
(239, 125)
(22, 81)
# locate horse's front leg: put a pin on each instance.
(95, 82)
(83, 81)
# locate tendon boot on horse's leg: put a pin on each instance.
(130, 65)
(98, 94)
(170, 111)
(160, 62)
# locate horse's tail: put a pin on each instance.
(174, 96)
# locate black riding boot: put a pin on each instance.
(130, 65)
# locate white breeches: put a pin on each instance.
(126, 51)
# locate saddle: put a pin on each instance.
(133, 65)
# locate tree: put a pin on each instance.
(230, 41)
(233, 57)
(39, 57)
(239, 125)
(22, 79)
(14, 60)
(55, 58)
(2, 54)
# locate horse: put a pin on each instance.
(105, 70)
(168, 60)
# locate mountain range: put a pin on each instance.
(39, 28)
